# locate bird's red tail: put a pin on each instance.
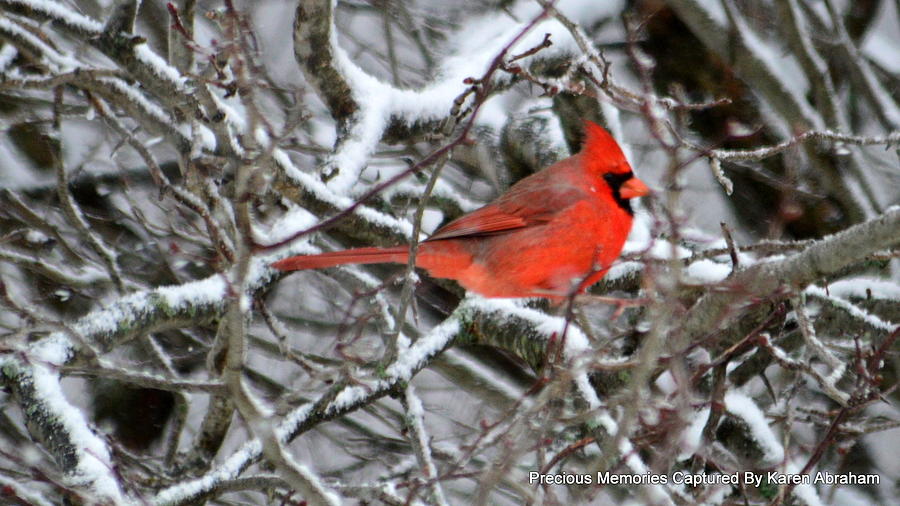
(397, 254)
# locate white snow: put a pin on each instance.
(852, 309)
(199, 132)
(230, 469)
(65, 13)
(640, 237)
(576, 343)
(8, 53)
(415, 417)
(407, 363)
(323, 192)
(139, 100)
(663, 250)
(471, 50)
(160, 67)
(623, 269)
(94, 469)
(743, 407)
(804, 492)
(863, 287)
(689, 441)
(294, 220)
(36, 236)
(414, 357)
(666, 383)
(52, 58)
(706, 271)
(587, 391)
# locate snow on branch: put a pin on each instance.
(822, 258)
(82, 455)
(766, 151)
(369, 110)
(190, 170)
(30, 371)
(530, 334)
(167, 86)
(339, 400)
(513, 324)
(129, 51)
(870, 320)
(418, 438)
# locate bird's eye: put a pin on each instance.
(616, 181)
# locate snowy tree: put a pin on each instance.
(158, 157)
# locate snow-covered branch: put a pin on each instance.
(765, 279)
(83, 457)
(158, 156)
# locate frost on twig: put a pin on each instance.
(715, 165)
(420, 441)
(765, 152)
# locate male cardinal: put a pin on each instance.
(552, 234)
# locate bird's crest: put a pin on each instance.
(601, 151)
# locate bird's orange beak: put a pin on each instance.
(633, 188)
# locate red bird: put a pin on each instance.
(553, 232)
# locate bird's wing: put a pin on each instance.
(485, 221)
(519, 208)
